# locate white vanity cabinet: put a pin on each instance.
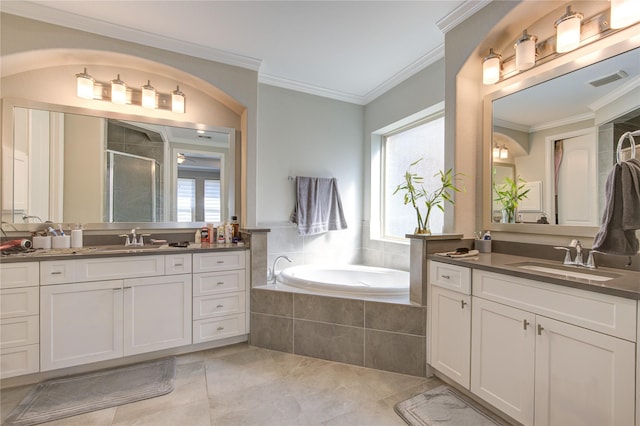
(450, 328)
(553, 355)
(219, 295)
(19, 317)
(135, 309)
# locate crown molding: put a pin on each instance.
(423, 62)
(53, 16)
(297, 86)
(462, 12)
(511, 125)
(563, 122)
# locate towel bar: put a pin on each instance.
(632, 142)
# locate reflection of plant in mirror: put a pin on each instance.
(510, 193)
(414, 191)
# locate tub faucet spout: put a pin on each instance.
(271, 273)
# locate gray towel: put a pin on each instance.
(318, 207)
(621, 215)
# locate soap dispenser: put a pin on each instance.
(76, 237)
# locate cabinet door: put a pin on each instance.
(503, 350)
(582, 377)
(157, 313)
(80, 323)
(451, 334)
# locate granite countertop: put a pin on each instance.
(624, 283)
(115, 251)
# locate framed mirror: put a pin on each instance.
(71, 166)
(559, 134)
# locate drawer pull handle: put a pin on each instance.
(178, 264)
(116, 289)
(446, 277)
(540, 328)
(126, 288)
(220, 328)
(462, 303)
(56, 273)
(220, 261)
(220, 283)
(525, 324)
(220, 306)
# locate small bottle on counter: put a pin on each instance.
(228, 233)
(236, 228)
(198, 237)
(204, 235)
(76, 237)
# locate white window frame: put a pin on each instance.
(376, 225)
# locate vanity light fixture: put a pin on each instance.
(491, 67)
(118, 91)
(568, 31)
(148, 96)
(525, 51)
(177, 101)
(624, 13)
(84, 85)
(181, 158)
(504, 152)
(496, 151)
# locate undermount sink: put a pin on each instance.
(126, 249)
(567, 271)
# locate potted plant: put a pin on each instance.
(509, 194)
(415, 194)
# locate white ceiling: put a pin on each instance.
(347, 50)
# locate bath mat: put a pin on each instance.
(70, 396)
(443, 406)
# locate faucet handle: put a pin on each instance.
(567, 256)
(591, 261)
(127, 241)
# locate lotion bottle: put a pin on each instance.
(76, 237)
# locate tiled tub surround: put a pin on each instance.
(380, 335)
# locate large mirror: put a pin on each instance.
(556, 141)
(66, 166)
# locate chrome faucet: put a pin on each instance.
(578, 261)
(134, 240)
(271, 273)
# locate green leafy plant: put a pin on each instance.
(509, 194)
(416, 195)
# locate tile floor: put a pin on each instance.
(245, 385)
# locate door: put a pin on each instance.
(80, 323)
(582, 377)
(503, 347)
(577, 197)
(157, 313)
(451, 334)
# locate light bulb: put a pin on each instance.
(525, 51)
(148, 96)
(624, 13)
(84, 85)
(491, 68)
(118, 91)
(568, 31)
(177, 101)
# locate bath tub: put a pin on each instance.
(354, 280)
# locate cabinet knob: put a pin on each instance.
(525, 324)
(540, 328)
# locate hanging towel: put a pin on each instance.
(621, 216)
(318, 207)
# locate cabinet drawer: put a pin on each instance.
(218, 261)
(19, 331)
(19, 302)
(453, 277)
(219, 282)
(206, 307)
(19, 361)
(607, 314)
(177, 264)
(218, 328)
(83, 270)
(19, 274)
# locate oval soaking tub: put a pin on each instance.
(347, 279)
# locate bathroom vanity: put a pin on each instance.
(541, 347)
(69, 310)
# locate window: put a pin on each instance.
(399, 148)
(186, 200)
(212, 201)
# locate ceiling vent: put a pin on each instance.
(608, 79)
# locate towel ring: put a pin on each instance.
(619, 147)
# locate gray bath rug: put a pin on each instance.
(443, 406)
(70, 396)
